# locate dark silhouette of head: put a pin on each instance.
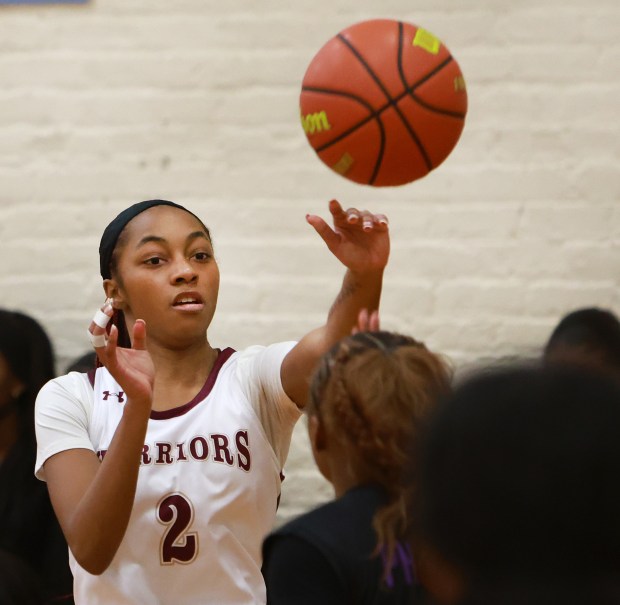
(27, 351)
(586, 337)
(518, 489)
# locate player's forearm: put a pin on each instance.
(100, 520)
(359, 291)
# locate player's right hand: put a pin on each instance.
(133, 368)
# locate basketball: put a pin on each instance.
(383, 102)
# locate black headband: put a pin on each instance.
(114, 229)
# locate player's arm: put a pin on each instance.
(360, 241)
(93, 500)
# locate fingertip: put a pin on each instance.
(335, 207)
(311, 220)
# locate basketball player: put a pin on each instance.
(164, 465)
(368, 397)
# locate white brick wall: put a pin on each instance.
(196, 100)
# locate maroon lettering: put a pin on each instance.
(181, 451)
(243, 450)
(178, 546)
(146, 459)
(101, 454)
(222, 453)
(163, 453)
(199, 448)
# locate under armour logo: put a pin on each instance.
(119, 396)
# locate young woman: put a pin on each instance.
(367, 399)
(164, 467)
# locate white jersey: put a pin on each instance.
(208, 483)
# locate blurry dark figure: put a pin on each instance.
(519, 491)
(28, 526)
(586, 337)
(18, 583)
(83, 364)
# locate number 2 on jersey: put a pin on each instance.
(177, 545)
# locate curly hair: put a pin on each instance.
(372, 391)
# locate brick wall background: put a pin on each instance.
(196, 101)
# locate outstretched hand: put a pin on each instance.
(133, 368)
(359, 240)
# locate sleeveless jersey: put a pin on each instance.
(207, 490)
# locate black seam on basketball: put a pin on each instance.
(430, 74)
(443, 112)
(408, 127)
(340, 93)
(411, 91)
(401, 71)
(379, 161)
(345, 134)
(367, 67)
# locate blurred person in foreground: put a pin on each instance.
(518, 492)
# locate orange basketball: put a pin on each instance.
(383, 102)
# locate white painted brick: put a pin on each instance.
(555, 299)
(568, 222)
(480, 298)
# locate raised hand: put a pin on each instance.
(133, 368)
(359, 240)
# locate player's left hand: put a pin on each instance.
(359, 240)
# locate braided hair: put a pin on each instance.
(371, 392)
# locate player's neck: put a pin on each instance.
(180, 374)
(341, 474)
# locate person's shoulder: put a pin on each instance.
(73, 389)
(345, 521)
(260, 361)
(253, 351)
(67, 382)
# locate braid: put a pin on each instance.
(371, 391)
